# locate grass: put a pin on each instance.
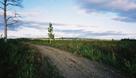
(19, 60)
(51, 70)
(118, 54)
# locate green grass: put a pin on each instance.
(118, 54)
(19, 60)
(51, 70)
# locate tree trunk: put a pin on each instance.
(5, 21)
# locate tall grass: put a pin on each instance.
(119, 54)
(19, 60)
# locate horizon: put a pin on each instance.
(72, 38)
(93, 19)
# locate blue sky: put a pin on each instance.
(102, 19)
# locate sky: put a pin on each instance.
(99, 19)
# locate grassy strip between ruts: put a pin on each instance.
(18, 60)
(118, 54)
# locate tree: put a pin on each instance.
(5, 5)
(50, 33)
(0, 36)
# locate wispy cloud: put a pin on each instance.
(32, 29)
(84, 33)
(72, 21)
(125, 9)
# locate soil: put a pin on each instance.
(73, 66)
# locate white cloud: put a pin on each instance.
(26, 32)
(125, 5)
(66, 31)
(35, 15)
(122, 8)
(39, 24)
(118, 4)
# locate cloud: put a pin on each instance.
(39, 30)
(26, 32)
(44, 25)
(106, 33)
(83, 33)
(35, 25)
(125, 9)
(34, 29)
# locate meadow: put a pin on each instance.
(119, 54)
(19, 60)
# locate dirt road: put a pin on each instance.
(72, 66)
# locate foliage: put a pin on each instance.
(50, 32)
(119, 54)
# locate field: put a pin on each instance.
(118, 54)
(19, 60)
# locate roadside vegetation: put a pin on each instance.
(19, 60)
(118, 54)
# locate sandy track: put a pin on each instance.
(72, 66)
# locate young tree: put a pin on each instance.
(1, 36)
(5, 5)
(50, 33)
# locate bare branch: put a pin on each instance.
(2, 2)
(12, 23)
(9, 18)
(16, 16)
(14, 4)
(1, 8)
